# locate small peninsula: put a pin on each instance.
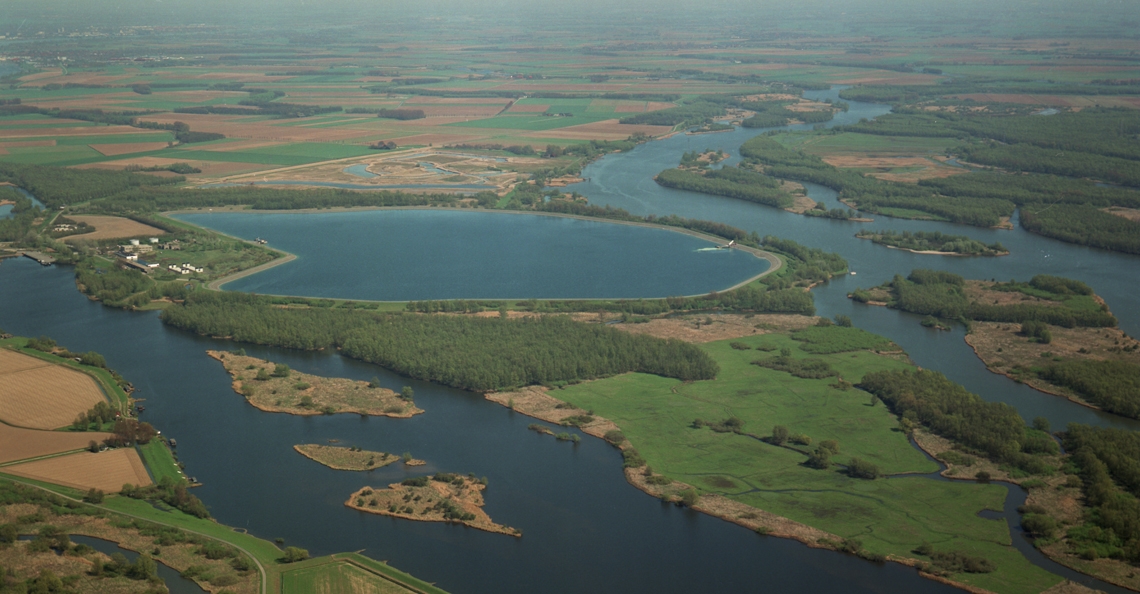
(933, 242)
(273, 387)
(442, 497)
(345, 458)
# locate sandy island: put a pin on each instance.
(304, 394)
(440, 498)
(345, 458)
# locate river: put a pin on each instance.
(585, 528)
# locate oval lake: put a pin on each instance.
(410, 255)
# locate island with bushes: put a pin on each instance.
(273, 387)
(933, 242)
(345, 458)
(441, 497)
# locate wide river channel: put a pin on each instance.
(584, 528)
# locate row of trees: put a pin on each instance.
(464, 352)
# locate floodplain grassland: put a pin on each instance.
(888, 517)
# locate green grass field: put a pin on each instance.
(889, 516)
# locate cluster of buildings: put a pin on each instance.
(185, 268)
(131, 251)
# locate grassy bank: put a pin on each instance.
(888, 517)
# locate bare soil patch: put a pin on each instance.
(434, 502)
(528, 108)
(21, 444)
(83, 131)
(1131, 214)
(534, 401)
(26, 143)
(436, 139)
(108, 470)
(344, 458)
(40, 395)
(695, 328)
(114, 227)
(124, 148)
(304, 394)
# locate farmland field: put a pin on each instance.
(113, 228)
(108, 470)
(40, 395)
(21, 444)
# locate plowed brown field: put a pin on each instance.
(19, 444)
(40, 395)
(108, 470)
(114, 227)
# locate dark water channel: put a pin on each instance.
(584, 528)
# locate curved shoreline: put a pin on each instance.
(774, 261)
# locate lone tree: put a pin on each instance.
(779, 435)
(294, 554)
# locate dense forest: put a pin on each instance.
(61, 186)
(993, 429)
(464, 352)
(933, 241)
(731, 182)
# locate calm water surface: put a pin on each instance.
(412, 255)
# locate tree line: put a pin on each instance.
(464, 352)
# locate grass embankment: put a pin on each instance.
(343, 458)
(439, 498)
(888, 517)
(344, 572)
(275, 388)
(160, 461)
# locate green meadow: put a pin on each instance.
(890, 516)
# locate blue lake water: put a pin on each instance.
(400, 255)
